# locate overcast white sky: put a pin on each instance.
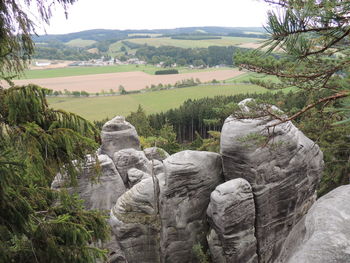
(157, 14)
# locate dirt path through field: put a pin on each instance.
(130, 80)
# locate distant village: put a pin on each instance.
(113, 61)
(103, 62)
(96, 62)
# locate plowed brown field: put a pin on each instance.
(130, 80)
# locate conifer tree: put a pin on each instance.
(38, 224)
(312, 39)
(16, 29)
(309, 51)
(140, 120)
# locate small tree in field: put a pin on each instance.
(122, 90)
(84, 93)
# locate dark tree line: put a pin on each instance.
(211, 56)
(197, 125)
(63, 52)
(200, 119)
(206, 114)
(195, 37)
(251, 35)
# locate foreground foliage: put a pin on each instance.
(38, 224)
(314, 39)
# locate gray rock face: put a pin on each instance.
(323, 235)
(231, 215)
(118, 134)
(136, 175)
(157, 167)
(98, 192)
(189, 178)
(181, 197)
(126, 159)
(136, 225)
(115, 253)
(156, 153)
(284, 175)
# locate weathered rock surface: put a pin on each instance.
(98, 192)
(157, 167)
(284, 175)
(115, 253)
(118, 134)
(323, 235)
(231, 215)
(271, 180)
(136, 225)
(189, 178)
(126, 159)
(136, 175)
(156, 153)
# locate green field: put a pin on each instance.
(97, 108)
(250, 75)
(78, 42)
(167, 41)
(78, 71)
(114, 49)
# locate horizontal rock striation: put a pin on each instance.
(99, 191)
(136, 224)
(283, 167)
(118, 134)
(179, 203)
(127, 159)
(156, 153)
(323, 235)
(189, 178)
(136, 175)
(231, 214)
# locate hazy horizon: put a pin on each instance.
(155, 14)
(149, 29)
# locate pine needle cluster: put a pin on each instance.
(38, 224)
(308, 49)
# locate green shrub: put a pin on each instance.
(166, 72)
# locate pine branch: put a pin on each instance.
(328, 46)
(277, 73)
(12, 163)
(308, 107)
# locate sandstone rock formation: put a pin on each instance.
(156, 153)
(98, 191)
(190, 177)
(283, 167)
(118, 134)
(323, 235)
(126, 159)
(136, 224)
(136, 175)
(231, 215)
(175, 203)
(162, 222)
